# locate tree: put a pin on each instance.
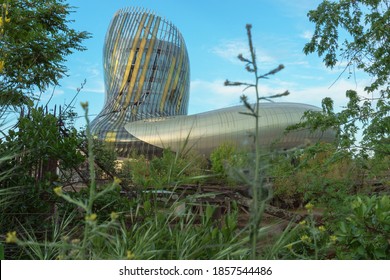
(35, 39)
(366, 46)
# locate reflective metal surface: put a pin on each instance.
(204, 132)
(146, 71)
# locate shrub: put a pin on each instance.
(318, 173)
(169, 170)
(364, 231)
(224, 159)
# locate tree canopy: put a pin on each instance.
(35, 39)
(356, 32)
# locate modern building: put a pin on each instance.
(206, 131)
(146, 72)
(147, 77)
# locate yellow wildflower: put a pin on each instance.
(309, 207)
(130, 255)
(305, 238)
(74, 252)
(6, 20)
(58, 190)
(114, 216)
(333, 238)
(65, 238)
(11, 237)
(302, 223)
(289, 246)
(75, 241)
(117, 181)
(321, 228)
(91, 218)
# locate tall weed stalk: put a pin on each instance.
(256, 185)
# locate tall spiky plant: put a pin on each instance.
(258, 201)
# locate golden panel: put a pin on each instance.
(133, 52)
(167, 84)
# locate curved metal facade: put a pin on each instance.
(146, 71)
(205, 132)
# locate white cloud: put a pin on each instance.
(230, 49)
(96, 87)
(211, 95)
(314, 94)
(50, 93)
(307, 35)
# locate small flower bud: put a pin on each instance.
(58, 191)
(305, 238)
(84, 105)
(309, 207)
(129, 255)
(114, 216)
(321, 228)
(11, 237)
(91, 218)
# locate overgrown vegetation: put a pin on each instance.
(64, 195)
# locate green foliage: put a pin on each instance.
(131, 233)
(35, 39)
(364, 231)
(1, 251)
(360, 231)
(306, 240)
(32, 153)
(38, 141)
(160, 237)
(112, 201)
(169, 170)
(365, 47)
(106, 156)
(225, 158)
(137, 171)
(318, 173)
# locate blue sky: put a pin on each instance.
(214, 32)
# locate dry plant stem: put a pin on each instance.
(258, 201)
(256, 212)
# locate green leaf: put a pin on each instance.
(2, 251)
(147, 206)
(209, 212)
